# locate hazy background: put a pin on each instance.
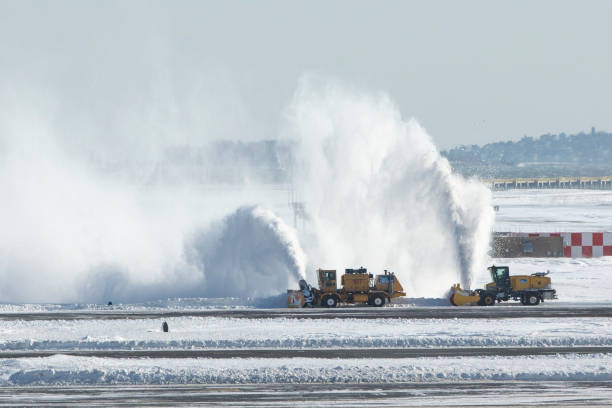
(470, 71)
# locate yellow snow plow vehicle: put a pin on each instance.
(358, 286)
(529, 289)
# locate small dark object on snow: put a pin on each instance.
(165, 327)
(109, 304)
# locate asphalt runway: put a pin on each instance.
(473, 312)
(433, 394)
(338, 353)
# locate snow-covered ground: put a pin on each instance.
(554, 210)
(60, 370)
(183, 304)
(212, 332)
(579, 282)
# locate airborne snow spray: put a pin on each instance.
(379, 193)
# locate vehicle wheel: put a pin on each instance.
(329, 301)
(488, 300)
(480, 293)
(533, 299)
(377, 300)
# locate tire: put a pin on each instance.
(488, 300)
(377, 300)
(481, 293)
(329, 301)
(532, 299)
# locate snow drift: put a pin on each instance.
(68, 370)
(279, 333)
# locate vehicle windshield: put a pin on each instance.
(498, 273)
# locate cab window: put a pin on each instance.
(502, 272)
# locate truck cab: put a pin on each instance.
(500, 275)
(327, 280)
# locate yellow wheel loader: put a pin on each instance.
(529, 289)
(358, 286)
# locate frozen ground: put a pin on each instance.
(159, 305)
(211, 332)
(577, 280)
(409, 381)
(61, 370)
(413, 394)
(553, 210)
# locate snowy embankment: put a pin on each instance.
(213, 332)
(63, 370)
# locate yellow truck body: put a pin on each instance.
(529, 289)
(358, 286)
(525, 282)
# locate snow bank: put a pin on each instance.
(211, 332)
(68, 370)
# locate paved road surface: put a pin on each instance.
(481, 312)
(440, 394)
(368, 353)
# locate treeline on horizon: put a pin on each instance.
(583, 148)
(270, 161)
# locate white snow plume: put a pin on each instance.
(251, 252)
(380, 195)
(70, 234)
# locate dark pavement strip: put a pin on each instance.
(369, 353)
(482, 312)
(388, 394)
(444, 393)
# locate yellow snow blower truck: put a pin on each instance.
(529, 289)
(358, 286)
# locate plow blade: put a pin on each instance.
(460, 297)
(295, 298)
